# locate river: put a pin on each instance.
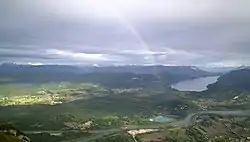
(198, 84)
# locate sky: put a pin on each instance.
(209, 33)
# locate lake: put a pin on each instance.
(199, 84)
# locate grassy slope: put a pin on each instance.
(8, 138)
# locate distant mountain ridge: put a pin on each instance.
(242, 67)
(154, 69)
(114, 76)
(157, 69)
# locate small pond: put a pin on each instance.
(161, 119)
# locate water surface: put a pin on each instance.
(161, 119)
(199, 84)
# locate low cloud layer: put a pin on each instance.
(119, 32)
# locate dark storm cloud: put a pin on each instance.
(210, 33)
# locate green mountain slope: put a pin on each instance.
(230, 85)
(237, 80)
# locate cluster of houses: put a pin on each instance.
(78, 126)
(141, 131)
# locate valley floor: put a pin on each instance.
(90, 112)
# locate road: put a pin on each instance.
(189, 120)
(192, 117)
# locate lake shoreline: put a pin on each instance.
(198, 84)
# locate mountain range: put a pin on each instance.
(124, 75)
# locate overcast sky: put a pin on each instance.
(118, 32)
